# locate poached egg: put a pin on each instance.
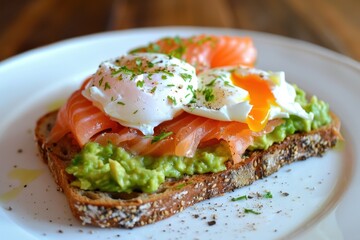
(142, 90)
(246, 95)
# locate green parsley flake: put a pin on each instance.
(161, 136)
(153, 90)
(208, 93)
(247, 210)
(244, 197)
(211, 84)
(101, 81)
(150, 64)
(267, 195)
(122, 69)
(172, 99)
(120, 103)
(167, 72)
(193, 100)
(163, 77)
(170, 85)
(178, 52)
(150, 76)
(135, 111)
(107, 86)
(226, 83)
(191, 88)
(185, 76)
(140, 83)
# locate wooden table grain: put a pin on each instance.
(27, 24)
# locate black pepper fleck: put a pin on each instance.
(210, 223)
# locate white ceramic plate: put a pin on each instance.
(323, 193)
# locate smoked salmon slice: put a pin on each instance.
(81, 118)
(87, 123)
(206, 51)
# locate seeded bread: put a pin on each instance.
(138, 209)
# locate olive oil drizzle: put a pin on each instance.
(24, 176)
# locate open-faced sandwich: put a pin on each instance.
(174, 123)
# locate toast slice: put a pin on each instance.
(138, 209)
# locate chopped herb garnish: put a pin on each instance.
(150, 64)
(193, 100)
(168, 73)
(247, 210)
(208, 93)
(211, 84)
(178, 52)
(170, 85)
(191, 88)
(140, 83)
(122, 69)
(163, 77)
(226, 83)
(120, 103)
(244, 197)
(135, 111)
(153, 90)
(267, 195)
(107, 86)
(161, 136)
(172, 99)
(185, 76)
(101, 81)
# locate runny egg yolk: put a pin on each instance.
(261, 98)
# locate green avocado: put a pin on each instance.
(112, 169)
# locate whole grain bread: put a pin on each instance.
(138, 209)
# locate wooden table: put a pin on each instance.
(26, 24)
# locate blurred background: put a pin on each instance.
(27, 24)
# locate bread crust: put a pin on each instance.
(138, 209)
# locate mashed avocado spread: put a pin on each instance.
(113, 169)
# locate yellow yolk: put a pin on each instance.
(261, 98)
